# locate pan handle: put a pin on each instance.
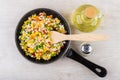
(100, 71)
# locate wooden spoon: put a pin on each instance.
(88, 37)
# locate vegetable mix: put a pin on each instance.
(35, 37)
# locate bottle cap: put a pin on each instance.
(90, 12)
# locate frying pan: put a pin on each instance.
(67, 51)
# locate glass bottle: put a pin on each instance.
(86, 18)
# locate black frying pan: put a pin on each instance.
(70, 53)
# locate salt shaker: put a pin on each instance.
(86, 49)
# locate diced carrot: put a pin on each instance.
(44, 31)
(37, 18)
(35, 29)
(48, 23)
(39, 53)
(49, 16)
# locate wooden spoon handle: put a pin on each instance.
(87, 37)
